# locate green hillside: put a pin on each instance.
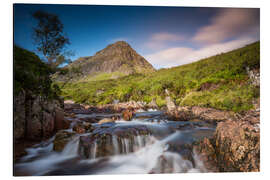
(220, 82)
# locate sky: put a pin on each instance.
(165, 36)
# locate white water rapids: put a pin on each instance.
(146, 154)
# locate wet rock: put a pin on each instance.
(106, 120)
(207, 154)
(127, 114)
(61, 139)
(79, 128)
(111, 140)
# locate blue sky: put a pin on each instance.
(165, 36)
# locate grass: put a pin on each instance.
(225, 72)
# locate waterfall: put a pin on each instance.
(119, 145)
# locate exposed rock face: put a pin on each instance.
(118, 57)
(36, 117)
(235, 146)
(19, 116)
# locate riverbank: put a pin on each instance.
(234, 145)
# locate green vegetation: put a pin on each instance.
(220, 82)
(32, 75)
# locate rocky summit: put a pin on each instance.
(114, 61)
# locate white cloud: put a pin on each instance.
(166, 37)
(182, 55)
(229, 23)
(162, 39)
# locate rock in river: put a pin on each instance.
(61, 139)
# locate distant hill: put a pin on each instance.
(116, 60)
(220, 81)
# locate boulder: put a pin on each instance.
(61, 139)
(235, 146)
(238, 146)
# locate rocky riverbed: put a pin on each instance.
(128, 138)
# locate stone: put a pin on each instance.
(127, 114)
(61, 140)
(170, 104)
(105, 120)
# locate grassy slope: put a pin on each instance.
(225, 72)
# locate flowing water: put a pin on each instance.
(147, 144)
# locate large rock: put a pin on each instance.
(61, 140)
(110, 140)
(19, 116)
(235, 146)
(36, 117)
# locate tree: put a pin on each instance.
(50, 39)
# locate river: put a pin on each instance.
(149, 143)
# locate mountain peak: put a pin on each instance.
(118, 57)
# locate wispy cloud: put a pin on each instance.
(166, 37)
(183, 55)
(162, 39)
(229, 23)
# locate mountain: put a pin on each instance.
(227, 81)
(116, 60)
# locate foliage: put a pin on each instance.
(32, 75)
(50, 39)
(228, 85)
